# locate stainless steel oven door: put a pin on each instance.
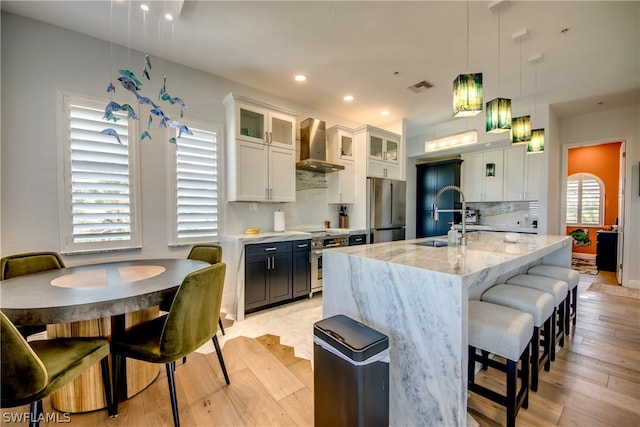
(316, 271)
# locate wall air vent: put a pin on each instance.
(420, 86)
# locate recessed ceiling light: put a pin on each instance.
(384, 112)
(144, 7)
(348, 98)
(168, 17)
(300, 77)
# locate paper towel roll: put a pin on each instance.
(278, 221)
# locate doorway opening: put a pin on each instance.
(594, 205)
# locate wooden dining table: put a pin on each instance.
(95, 300)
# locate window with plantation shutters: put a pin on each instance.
(585, 200)
(98, 211)
(195, 195)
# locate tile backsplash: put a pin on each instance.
(506, 213)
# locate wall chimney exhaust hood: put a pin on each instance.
(313, 148)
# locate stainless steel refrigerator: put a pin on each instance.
(386, 209)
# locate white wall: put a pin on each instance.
(38, 60)
(620, 124)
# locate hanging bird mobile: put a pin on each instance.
(130, 82)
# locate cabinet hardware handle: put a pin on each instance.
(273, 263)
(272, 248)
(303, 245)
(266, 137)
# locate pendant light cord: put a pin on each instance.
(499, 58)
(467, 36)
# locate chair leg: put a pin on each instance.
(574, 305)
(172, 394)
(567, 314)
(471, 366)
(106, 382)
(535, 358)
(220, 324)
(118, 364)
(560, 329)
(34, 413)
(554, 323)
(547, 338)
(220, 359)
(512, 398)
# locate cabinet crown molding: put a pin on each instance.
(231, 97)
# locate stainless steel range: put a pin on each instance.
(321, 240)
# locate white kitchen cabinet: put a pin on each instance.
(384, 152)
(260, 151)
(339, 143)
(282, 177)
(340, 150)
(342, 183)
(514, 173)
(482, 176)
(533, 167)
(521, 174)
(382, 169)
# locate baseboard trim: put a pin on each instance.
(583, 256)
(634, 284)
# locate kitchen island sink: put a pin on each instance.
(433, 243)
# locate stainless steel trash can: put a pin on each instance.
(351, 374)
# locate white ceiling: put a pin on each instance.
(375, 50)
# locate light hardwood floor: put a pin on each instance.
(595, 380)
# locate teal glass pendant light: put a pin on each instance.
(536, 145)
(498, 111)
(498, 115)
(520, 129)
(467, 95)
(467, 88)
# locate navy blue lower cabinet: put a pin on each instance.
(301, 256)
(276, 273)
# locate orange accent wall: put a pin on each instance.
(603, 161)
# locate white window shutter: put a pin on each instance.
(585, 200)
(195, 216)
(99, 190)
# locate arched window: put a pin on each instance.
(585, 200)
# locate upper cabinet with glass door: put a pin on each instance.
(262, 123)
(384, 152)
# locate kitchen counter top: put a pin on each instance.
(267, 237)
(418, 296)
(484, 250)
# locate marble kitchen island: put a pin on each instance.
(418, 296)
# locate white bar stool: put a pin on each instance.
(505, 332)
(559, 290)
(572, 278)
(538, 304)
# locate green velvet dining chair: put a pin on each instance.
(207, 252)
(29, 263)
(33, 370)
(192, 321)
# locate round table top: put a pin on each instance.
(92, 291)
